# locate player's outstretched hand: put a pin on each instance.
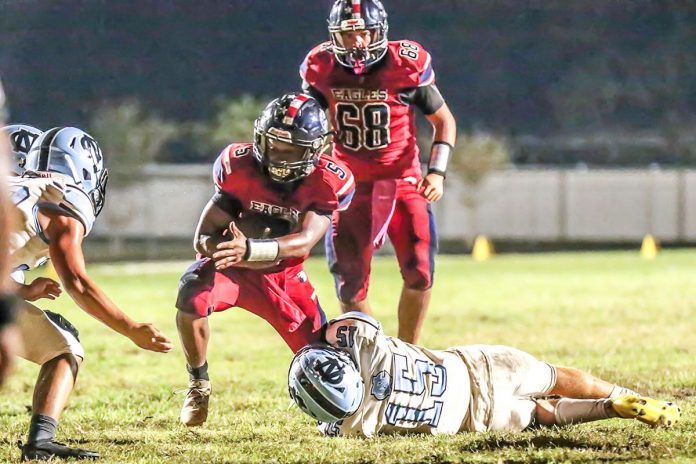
(41, 287)
(232, 251)
(148, 337)
(431, 187)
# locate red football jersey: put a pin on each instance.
(330, 187)
(376, 128)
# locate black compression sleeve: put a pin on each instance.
(7, 309)
(427, 98)
(226, 202)
(316, 94)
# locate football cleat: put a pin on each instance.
(195, 409)
(48, 450)
(647, 410)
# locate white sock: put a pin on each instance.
(571, 411)
(621, 391)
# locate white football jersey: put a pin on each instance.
(28, 245)
(407, 388)
(411, 389)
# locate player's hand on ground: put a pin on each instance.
(232, 251)
(148, 337)
(431, 187)
(41, 287)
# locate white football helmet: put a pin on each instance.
(325, 383)
(21, 139)
(74, 154)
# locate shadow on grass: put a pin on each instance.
(520, 449)
(125, 441)
(541, 442)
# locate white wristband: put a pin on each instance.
(439, 157)
(261, 250)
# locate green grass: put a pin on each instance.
(613, 314)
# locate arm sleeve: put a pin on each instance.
(7, 310)
(427, 98)
(316, 94)
(226, 202)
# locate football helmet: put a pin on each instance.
(358, 15)
(295, 119)
(325, 383)
(21, 139)
(74, 154)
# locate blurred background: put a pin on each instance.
(576, 118)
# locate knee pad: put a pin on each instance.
(185, 297)
(191, 287)
(69, 332)
(416, 280)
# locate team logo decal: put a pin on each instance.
(381, 385)
(21, 141)
(282, 212)
(91, 145)
(359, 95)
(331, 371)
(280, 133)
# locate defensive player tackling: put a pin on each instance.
(56, 202)
(364, 383)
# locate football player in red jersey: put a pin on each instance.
(284, 179)
(370, 87)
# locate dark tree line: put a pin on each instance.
(539, 67)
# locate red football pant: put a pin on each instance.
(380, 208)
(285, 299)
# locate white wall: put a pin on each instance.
(528, 204)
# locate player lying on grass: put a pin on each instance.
(365, 383)
(273, 202)
(57, 200)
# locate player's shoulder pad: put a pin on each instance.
(36, 189)
(339, 179)
(415, 59)
(226, 162)
(344, 331)
(317, 62)
(359, 317)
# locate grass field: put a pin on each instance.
(620, 317)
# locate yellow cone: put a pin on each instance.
(650, 247)
(483, 249)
